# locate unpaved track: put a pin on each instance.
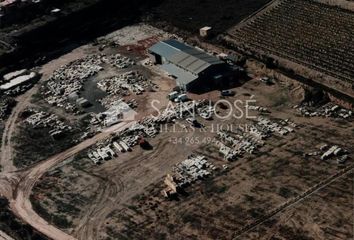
(99, 210)
(18, 187)
(144, 170)
(112, 194)
(4, 236)
(10, 127)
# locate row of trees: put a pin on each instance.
(305, 32)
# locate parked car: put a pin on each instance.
(227, 93)
(181, 98)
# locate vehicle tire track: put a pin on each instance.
(10, 127)
(20, 202)
(99, 210)
(110, 201)
(293, 201)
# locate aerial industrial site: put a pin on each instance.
(175, 120)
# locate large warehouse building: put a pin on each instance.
(193, 69)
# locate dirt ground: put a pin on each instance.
(29, 140)
(121, 198)
(195, 14)
(135, 33)
(328, 214)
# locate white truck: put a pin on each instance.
(181, 98)
(172, 96)
(118, 147)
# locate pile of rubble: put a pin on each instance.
(131, 81)
(148, 127)
(228, 153)
(40, 119)
(119, 61)
(282, 128)
(336, 151)
(257, 108)
(19, 90)
(205, 110)
(117, 112)
(187, 172)
(184, 110)
(192, 169)
(106, 152)
(328, 152)
(109, 101)
(327, 110)
(233, 145)
(69, 79)
(124, 141)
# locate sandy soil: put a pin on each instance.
(10, 128)
(132, 34)
(126, 200)
(4, 236)
(137, 175)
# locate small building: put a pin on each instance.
(12, 75)
(7, 8)
(205, 31)
(19, 81)
(8, 3)
(192, 68)
(55, 11)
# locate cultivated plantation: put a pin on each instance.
(308, 33)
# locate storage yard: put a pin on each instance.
(226, 122)
(268, 167)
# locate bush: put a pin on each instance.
(285, 192)
(61, 221)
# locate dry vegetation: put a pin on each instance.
(190, 15)
(33, 145)
(317, 217)
(217, 207)
(13, 226)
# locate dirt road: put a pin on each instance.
(17, 187)
(114, 193)
(10, 127)
(4, 236)
(128, 176)
(107, 198)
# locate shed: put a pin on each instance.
(188, 65)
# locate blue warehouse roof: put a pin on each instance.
(182, 77)
(163, 50)
(184, 56)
